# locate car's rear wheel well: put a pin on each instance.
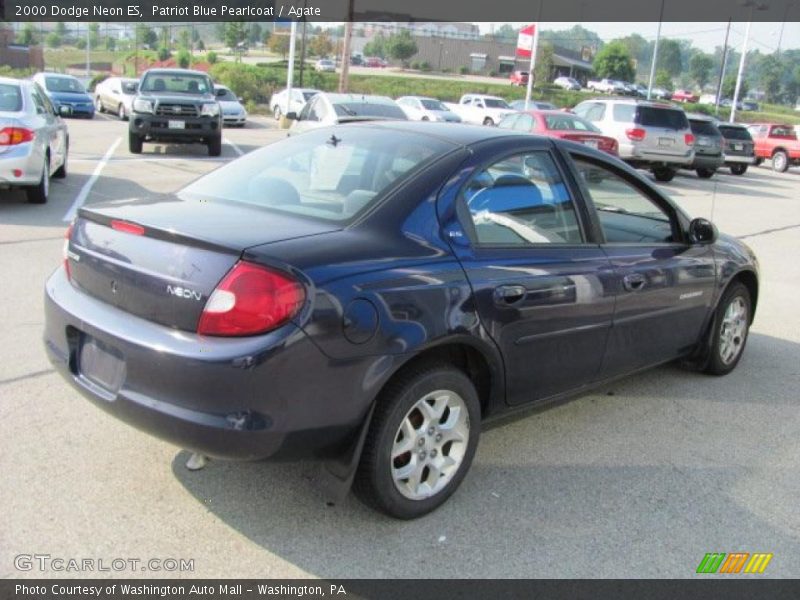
(779, 149)
(463, 357)
(749, 280)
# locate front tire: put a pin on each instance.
(663, 174)
(731, 326)
(276, 112)
(421, 441)
(738, 169)
(488, 121)
(121, 113)
(98, 104)
(780, 162)
(134, 143)
(215, 146)
(61, 172)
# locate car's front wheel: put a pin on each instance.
(98, 104)
(421, 441)
(488, 121)
(276, 112)
(663, 174)
(731, 326)
(738, 169)
(215, 146)
(122, 113)
(134, 143)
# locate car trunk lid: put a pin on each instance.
(161, 260)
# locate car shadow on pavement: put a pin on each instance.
(667, 463)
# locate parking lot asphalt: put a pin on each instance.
(639, 479)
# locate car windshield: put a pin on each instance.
(569, 122)
(654, 116)
(433, 105)
(496, 103)
(176, 83)
(225, 95)
(703, 128)
(735, 133)
(10, 98)
(369, 109)
(64, 84)
(329, 174)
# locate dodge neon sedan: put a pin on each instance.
(371, 294)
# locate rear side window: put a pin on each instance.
(704, 128)
(330, 176)
(10, 98)
(521, 201)
(735, 133)
(369, 109)
(652, 116)
(624, 113)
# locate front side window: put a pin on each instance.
(626, 214)
(521, 201)
(329, 176)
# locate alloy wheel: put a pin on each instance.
(733, 332)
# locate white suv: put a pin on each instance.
(651, 135)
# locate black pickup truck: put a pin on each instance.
(175, 106)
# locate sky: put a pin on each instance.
(763, 36)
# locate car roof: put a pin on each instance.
(637, 101)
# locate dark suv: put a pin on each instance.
(708, 144)
(176, 106)
(739, 148)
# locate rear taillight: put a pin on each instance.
(11, 136)
(126, 227)
(636, 134)
(249, 300)
(67, 237)
(689, 139)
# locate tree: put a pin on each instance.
(27, 37)
(163, 53)
(729, 87)
(255, 34)
(111, 43)
(211, 58)
(700, 66)
(669, 57)
(265, 37)
(505, 33)
(769, 76)
(94, 34)
(184, 59)
(235, 34)
(544, 63)
(53, 40)
(146, 36)
(376, 46)
(663, 80)
(321, 45)
(574, 39)
(61, 28)
(279, 44)
(184, 39)
(401, 46)
(614, 62)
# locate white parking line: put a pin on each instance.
(234, 146)
(87, 187)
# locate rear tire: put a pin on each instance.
(38, 194)
(488, 121)
(663, 174)
(706, 173)
(61, 172)
(215, 146)
(134, 143)
(738, 169)
(780, 162)
(276, 112)
(731, 326)
(420, 443)
(123, 116)
(98, 104)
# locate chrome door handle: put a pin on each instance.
(509, 294)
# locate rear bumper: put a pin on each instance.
(196, 129)
(23, 158)
(236, 398)
(707, 161)
(638, 157)
(733, 159)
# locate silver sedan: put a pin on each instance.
(34, 141)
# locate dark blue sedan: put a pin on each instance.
(372, 293)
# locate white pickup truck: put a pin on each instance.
(480, 109)
(606, 86)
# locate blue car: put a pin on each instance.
(372, 293)
(66, 90)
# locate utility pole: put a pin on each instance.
(655, 53)
(741, 70)
(88, 52)
(344, 76)
(534, 49)
(303, 47)
(722, 69)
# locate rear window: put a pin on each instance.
(735, 133)
(369, 109)
(652, 116)
(63, 84)
(703, 128)
(329, 174)
(10, 98)
(569, 123)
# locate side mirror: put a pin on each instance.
(65, 111)
(702, 231)
(292, 116)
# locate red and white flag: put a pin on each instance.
(525, 40)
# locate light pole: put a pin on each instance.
(722, 69)
(655, 52)
(757, 6)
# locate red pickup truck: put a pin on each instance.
(777, 142)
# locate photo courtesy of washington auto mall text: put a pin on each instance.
(403, 300)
